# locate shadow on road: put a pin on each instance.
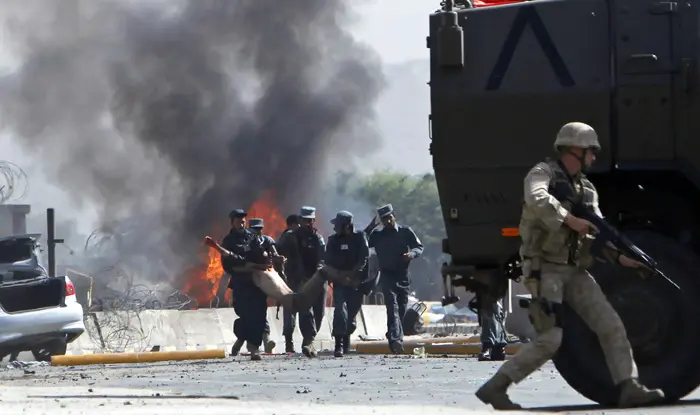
(594, 407)
(157, 396)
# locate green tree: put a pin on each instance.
(415, 199)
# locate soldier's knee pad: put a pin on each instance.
(543, 314)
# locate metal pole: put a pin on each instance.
(50, 230)
(51, 241)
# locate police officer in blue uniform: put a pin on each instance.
(396, 246)
(347, 251)
(257, 226)
(310, 250)
(250, 302)
(287, 247)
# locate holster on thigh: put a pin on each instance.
(543, 313)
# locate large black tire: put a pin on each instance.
(662, 323)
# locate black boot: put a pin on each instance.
(346, 344)
(396, 347)
(289, 344)
(498, 353)
(268, 344)
(485, 355)
(338, 347)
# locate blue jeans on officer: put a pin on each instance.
(250, 306)
(396, 287)
(347, 302)
(493, 333)
(309, 321)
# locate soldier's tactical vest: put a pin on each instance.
(561, 246)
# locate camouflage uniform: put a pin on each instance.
(554, 265)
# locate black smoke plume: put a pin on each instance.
(169, 115)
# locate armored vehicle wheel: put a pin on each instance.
(662, 323)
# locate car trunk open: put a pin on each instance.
(24, 283)
(28, 295)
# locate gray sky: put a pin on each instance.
(397, 33)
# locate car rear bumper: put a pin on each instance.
(32, 326)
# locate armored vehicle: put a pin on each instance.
(503, 80)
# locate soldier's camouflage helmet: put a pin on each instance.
(577, 134)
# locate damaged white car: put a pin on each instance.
(38, 313)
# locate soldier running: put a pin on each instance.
(553, 267)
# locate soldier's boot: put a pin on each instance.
(289, 344)
(268, 344)
(346, 344)
(494, 393)
(498, 353)
(236, 348)
(254, 352)
(633, 394)
(307, 347)
(338, 352)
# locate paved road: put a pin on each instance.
(286, 385)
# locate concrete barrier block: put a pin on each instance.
(226, 317)
(375, 320)
(197, 329)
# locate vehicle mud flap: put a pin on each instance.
(662, 324)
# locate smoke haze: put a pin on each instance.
(165, 117)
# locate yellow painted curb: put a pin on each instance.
(465, 348)
(115, 358)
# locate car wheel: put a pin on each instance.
(57, 347)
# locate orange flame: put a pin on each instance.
(206, 285)
(265, 209)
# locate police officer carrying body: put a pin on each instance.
(395, 246)
(310, 253)
(257, 225)
(287, 248)
(250, 302)
(347, 251)
(554, 265)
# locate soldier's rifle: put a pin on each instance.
(607, 234)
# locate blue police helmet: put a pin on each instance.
(342, 218)
(385, 210)
(237, 213)
(256, 223)
(308, 212)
